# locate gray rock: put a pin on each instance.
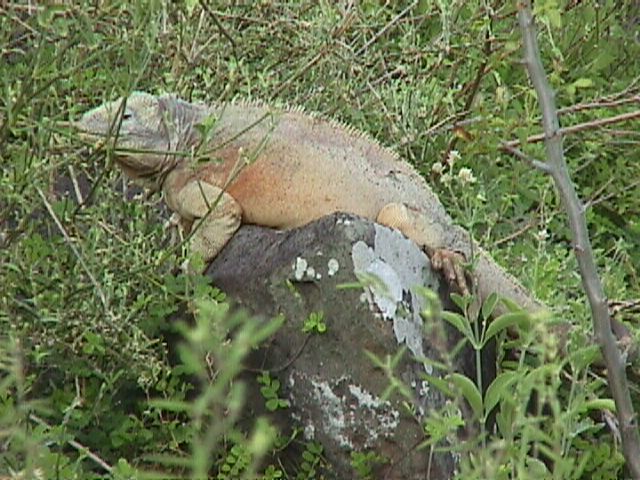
(365, 279)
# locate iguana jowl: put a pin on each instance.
(302, 168)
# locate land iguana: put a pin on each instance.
(221, 166)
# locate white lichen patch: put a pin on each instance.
(354, 420)
(386, 417)
(424, 389)
(309, 432)
(390, 273)
(300, 268)
(365, 398)
(333, 410)
(421, 387)
(332, 267)
(303, 271)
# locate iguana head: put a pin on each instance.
(146, 132)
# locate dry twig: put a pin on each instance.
(70, 243)
(600, 122)
(77, 445)
(618, 383)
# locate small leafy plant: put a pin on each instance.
(364, 463)
(315, 323)
(311, 460)
(269, 390)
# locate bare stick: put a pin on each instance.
(220, 27)
(600, 122)
(543, 167)
(616, 375)
(384, 29)
(77, 445)
(598, 104)
(67, 238)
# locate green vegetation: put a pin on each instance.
(315, 323)
(88, 388)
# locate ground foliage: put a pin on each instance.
(86, 290)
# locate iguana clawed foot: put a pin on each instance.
(451, 264)
(415, 225)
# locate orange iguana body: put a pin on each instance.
(279, 168)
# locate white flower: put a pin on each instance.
(466, 176)
(452, 157)
(437, 168)
(445, 178)
(542, 235)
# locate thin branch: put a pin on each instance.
(475, 85)
(595, 197)
(618, 306)
(513, 235)
(220, 27)
(596, 200)
(600, 122)
(301, 71)
(76, 185)
(67, 238)
(618, 383)
(384, 29)
(77, 445)
(543, 167)
(598, 104)
(633, 86)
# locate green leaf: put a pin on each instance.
(583, 83)
(489, 305)
(190, 5)
(600, 404)
(505, 420)
(555, 19)
(536, 468)
(495, 391)
(511, 305)
(94, 343)
(603, 60)
(469, 391)
(462, 302)
(263, 378)
(315, 448)
(505, 321)
(585, 356)
(171, 405)
(460, 323)
(268, 393)
(272, 404)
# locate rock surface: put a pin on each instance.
(365, 279)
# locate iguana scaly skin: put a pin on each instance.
(221, 166)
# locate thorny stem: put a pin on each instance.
(616, 375)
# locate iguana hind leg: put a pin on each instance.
(431, 236)
(215, 214)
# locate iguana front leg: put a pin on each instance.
(430, 236)
(215, 215)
